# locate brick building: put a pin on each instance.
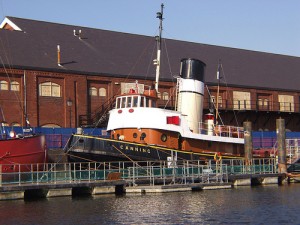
(63, 75)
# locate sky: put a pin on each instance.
(271, 26)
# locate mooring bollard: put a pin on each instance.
(248, 142)
(280, 131)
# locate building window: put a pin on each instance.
(286, 103)
(3, 85)
(214, 103)
(102, 92)
(49, 89)
(127, 87)
(159, 95)
(263, 104)
(93, 91)
(14, 86)
(165, 96)
(241, 100)
(15, 124)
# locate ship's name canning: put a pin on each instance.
(135, 148)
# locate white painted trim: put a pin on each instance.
(10, 23)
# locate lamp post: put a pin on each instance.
(69, 104)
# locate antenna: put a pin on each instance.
(156, 61)
(218, 90)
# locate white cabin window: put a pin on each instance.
(135, 102)
(118, 103)
(14, 86)
(129, 100)
(142, 101)
(3, 85)
(123, 102)
(147, 102)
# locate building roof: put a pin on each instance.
(103, 52)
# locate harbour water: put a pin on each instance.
(271, 204)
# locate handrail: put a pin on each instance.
(132, 171)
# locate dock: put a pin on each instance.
(72, 179)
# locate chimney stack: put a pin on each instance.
(58, 55)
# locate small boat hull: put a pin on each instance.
(18, 153)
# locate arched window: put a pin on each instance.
(51, 125)
(165, 96)
(14, 86)
(49, 89)
(15, 124)
(93, 91)
(102, 92)
(3, 85)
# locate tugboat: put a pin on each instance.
(141, 131)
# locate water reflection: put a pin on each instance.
(242, 205)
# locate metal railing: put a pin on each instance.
(237, 104)
(149, 172)
(292, 150)
(221, 130)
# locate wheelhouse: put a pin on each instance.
(136, 100)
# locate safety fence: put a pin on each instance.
(163, 172)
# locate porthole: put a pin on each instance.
(209, 144)
(164, 137)
(143, 135)
(135, 135)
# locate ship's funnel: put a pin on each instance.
(191, 91)
(192, 69)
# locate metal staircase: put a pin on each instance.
(99, 117)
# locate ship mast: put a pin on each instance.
(159, 15)
(218, 91)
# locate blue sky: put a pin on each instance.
(261, 25)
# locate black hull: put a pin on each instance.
(82, 148)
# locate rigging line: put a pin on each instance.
(168, 59)
(150, 62)
(7, 74)
(8, 47)
(134, 162)
(10, 81)
(173, 93)
(213, 104)
(235, 116)
(129, 74)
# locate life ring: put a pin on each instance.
(218, 157)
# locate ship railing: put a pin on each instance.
(134, 172)
(292, 150)
(222, 130)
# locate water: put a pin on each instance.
(270, 204)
